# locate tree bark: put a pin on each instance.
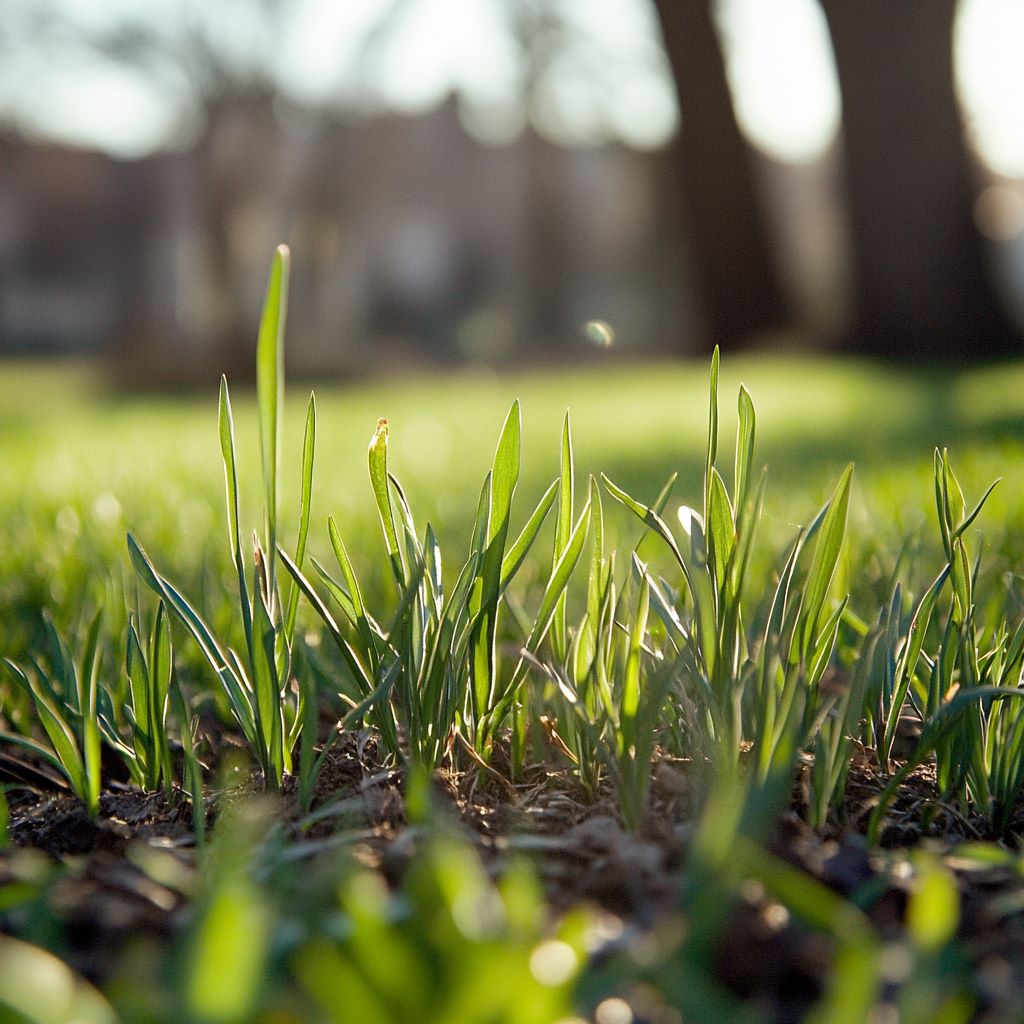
(919, 266)
(734, 269)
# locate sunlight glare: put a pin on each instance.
(990, 79)
(782, 74)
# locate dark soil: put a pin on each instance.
(105, 895)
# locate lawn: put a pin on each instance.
(536, 776)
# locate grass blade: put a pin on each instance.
(89, 682)
(305, 508)
(826, 559)
(234, 682)
(378, 461)
(517, 553)
(227, 448)
(270, 383)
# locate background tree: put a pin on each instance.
(921, 281)
(734, 267)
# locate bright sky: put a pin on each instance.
(614, 84)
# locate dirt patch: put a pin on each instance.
(103, 895)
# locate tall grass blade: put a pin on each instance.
(516, 554)
(826, 559)
(226, 670)
(227, 448)
(270, 384)
(305, 510)
(503, 480)
(744, 448)
(563, 528)
(360, 620)
(649, 518)
(378, 461)
(87, 702)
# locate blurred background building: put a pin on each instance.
(500, 180)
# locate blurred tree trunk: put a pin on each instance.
(740, 292)
(548, 265)
(920, 280)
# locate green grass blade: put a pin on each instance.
(503, 478)
(161, 671)
(227, 447)
(378, 461)
(712, 449)
(270, 383)
(66, 754)
(938, 728)
(631, 675)
(139, 684)
(362, 677)
(91, 747)
(559, 579)
(721, 535)
(226, 429)
(909, 658)
(305, 509)
(563, 530)
(234, 682)
(826, 558)
(505, 474)
(516, 554)
(359, 616)
(744, 449)
(267, 692)
(193, 772)
(45, 754)
(650, 519)
(556, 585)
(976, 511)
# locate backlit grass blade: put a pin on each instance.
(267, 691)
(227, 448)
(359, 616)
(234, 685)
(976, 511)
(192, 770)
(721, 533)
(140, 686)
(362, 676)
(66, 755)
(908, 662)
(378, 462)
(305, 508)
(631, 675)
(516, 554)
(89, 688)
(712, 449)
(270, 383)
(563, 529)
(744, 448)
(161, 669)
(505, 474)
(503, 478)
(650, 519)
(478, 537)
(40, 750)
(937, 729)
(554, 589)
(826, 559)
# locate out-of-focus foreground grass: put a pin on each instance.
(80, 464)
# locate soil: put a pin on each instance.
(106, 894)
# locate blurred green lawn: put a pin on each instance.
(81, 465)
